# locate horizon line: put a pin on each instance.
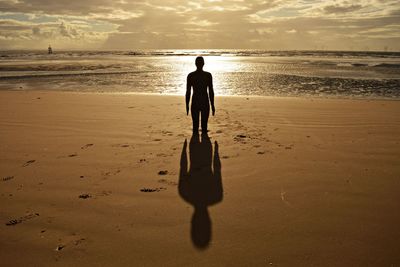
(209, 49)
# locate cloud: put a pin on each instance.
(274, 24)
(335, 9)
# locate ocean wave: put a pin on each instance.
(387, 65)
(229, 83)
(65, 74)
(374, 65)
(359, 65)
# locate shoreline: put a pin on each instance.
(346, 98)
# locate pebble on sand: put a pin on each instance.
(85, 196)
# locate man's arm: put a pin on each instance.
(211, 94)
(188, 93)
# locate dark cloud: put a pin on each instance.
(338, 9)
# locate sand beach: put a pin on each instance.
(91, 179)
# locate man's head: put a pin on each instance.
(199, 62)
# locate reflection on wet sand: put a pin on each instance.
(200, 185)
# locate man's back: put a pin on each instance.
(200, 81)
(203, 95)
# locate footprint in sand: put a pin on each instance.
(164, 155)
(86, 146)
(240, 138)
(85, 196)
(104, 193)
(79, 241)
(163, 172)
(121, 145)
(59, 247)
(167, 182)
(73, 242)
(28, 162)
(72, 155)
(150, 190)
(7, 178)
(169, 133)
(22, 219)
(110, 173)
(261, 152)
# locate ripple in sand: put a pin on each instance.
(28, 162)
(86, 146)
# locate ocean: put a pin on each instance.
(337, 74)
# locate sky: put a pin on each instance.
(206, 24)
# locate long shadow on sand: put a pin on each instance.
(201, 185)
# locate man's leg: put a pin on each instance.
(205, 112)
(195, 118)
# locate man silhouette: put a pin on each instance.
(200, 80)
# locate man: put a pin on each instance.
(200, 80)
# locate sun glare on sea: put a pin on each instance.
(216, 65)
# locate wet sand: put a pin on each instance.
(118, 180)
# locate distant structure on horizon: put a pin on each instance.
(50, 50)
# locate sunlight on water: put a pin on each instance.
(235, 72)
(216, 65)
